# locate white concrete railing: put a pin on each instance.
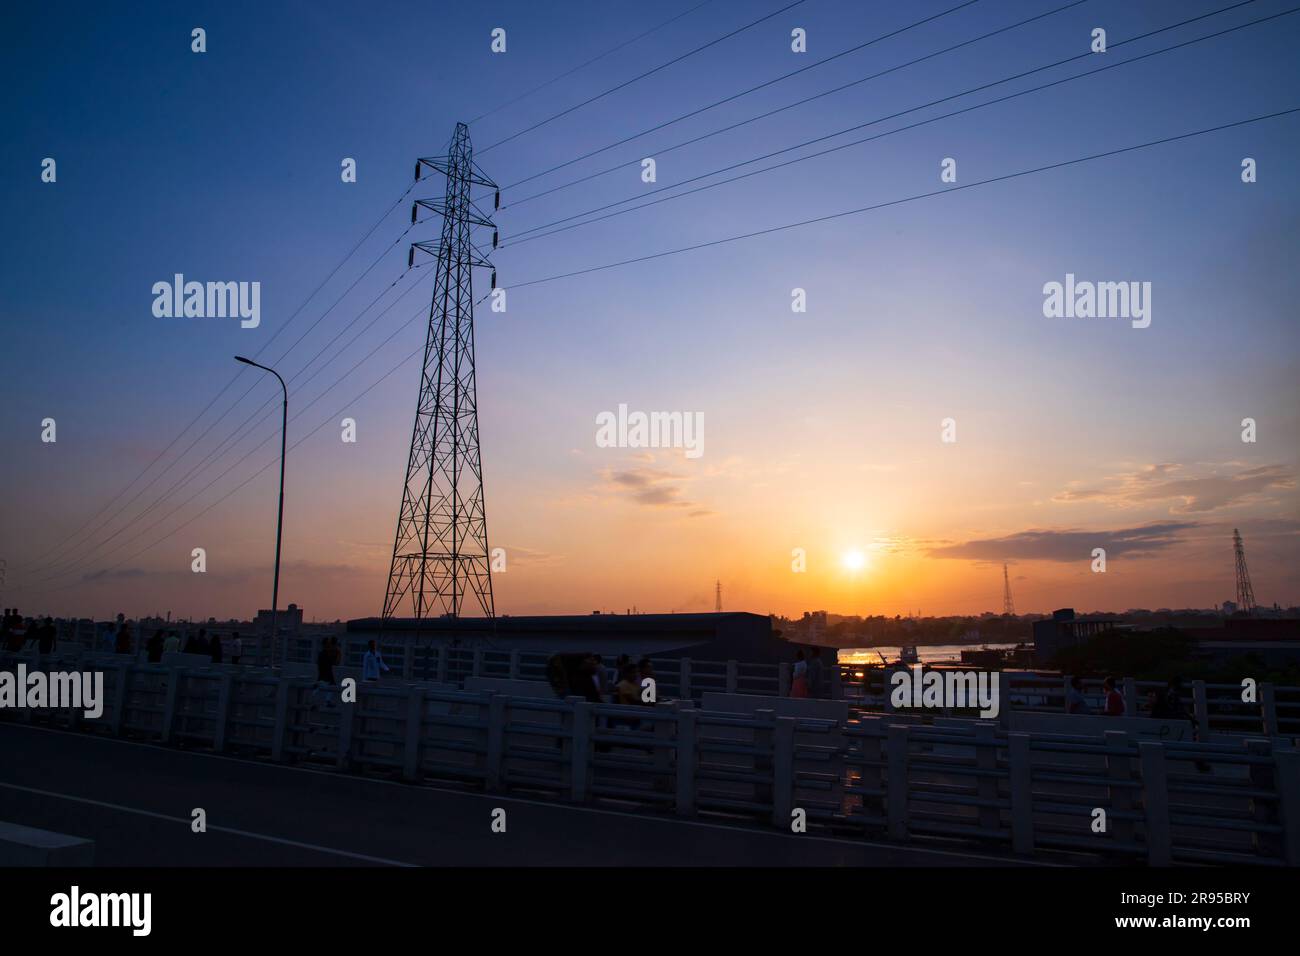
(887, 776)
(1217, 708)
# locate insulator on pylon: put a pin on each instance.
(497, 201)
(410, 258)
(494, 238)
(417, 170)
(494, 278)
(414, 207)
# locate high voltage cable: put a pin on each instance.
(387, 212)
(583, 66)
(642, 76)
(239, 432)
(246, 481)
(819, 219)
(538, 234)
(418, 314)
(104, 524)
(898, 202)
(763, 85)
(781, 109)
(80, 537)
(59, 547)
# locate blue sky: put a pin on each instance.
(225, 166)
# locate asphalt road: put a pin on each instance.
(136, 802)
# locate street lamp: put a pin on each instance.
(279, 521)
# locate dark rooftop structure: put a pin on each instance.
(726, 635)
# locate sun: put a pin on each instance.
(853, 560)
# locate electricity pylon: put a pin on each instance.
(1008, 606)
(440, 554)
(1245, 593)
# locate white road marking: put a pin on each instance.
(183, 820)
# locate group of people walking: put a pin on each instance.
(1166, 705)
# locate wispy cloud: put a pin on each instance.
(1186, 493)
(1070, 545)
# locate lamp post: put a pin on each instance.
(279, 521)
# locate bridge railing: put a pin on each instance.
(1217, 708)
(888, 776)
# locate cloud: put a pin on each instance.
(106, 575)
(1187, 494)
(652, 487)
(1071, 545)
(526, 557)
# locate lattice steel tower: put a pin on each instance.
(440, 554)
(1245, 593)
(1008, 606)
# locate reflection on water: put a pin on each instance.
(931, 654)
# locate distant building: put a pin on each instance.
(1064, 630)
(287, 621)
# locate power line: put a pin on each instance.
(760, 86)
(249, 479)
(537, 234)
(127, 487)
(697, 246)
(239, 432)
(642, 76)
(271, 435)
(583, 66)
(816, 96)
(81, 558)
(897, 202)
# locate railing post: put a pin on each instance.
(1022, 793)
(347, 714)
(886, 686)
(733, 676)
(174, 679)
(662, 754)
(281, 719)
(476, 668)
(1287, 763)
(783, 775)
(783, 679)
(414, 731)
(986, 759)
(1130, 697)
(123, 683)
(225, 690)
(1263, 777)
(1155, 802)
(1119, 768)
(408, 660)
(442, 664)
(684, 679)
(1268, 708)
(1201, 710)
(686, 760)
(580, 752)
(896, 782)
(514, 663)
(496, 740)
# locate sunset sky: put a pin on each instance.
(821, 429)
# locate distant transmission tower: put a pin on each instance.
(1008, 605)
(1245, 593)
(717, 595)
(440, 554)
